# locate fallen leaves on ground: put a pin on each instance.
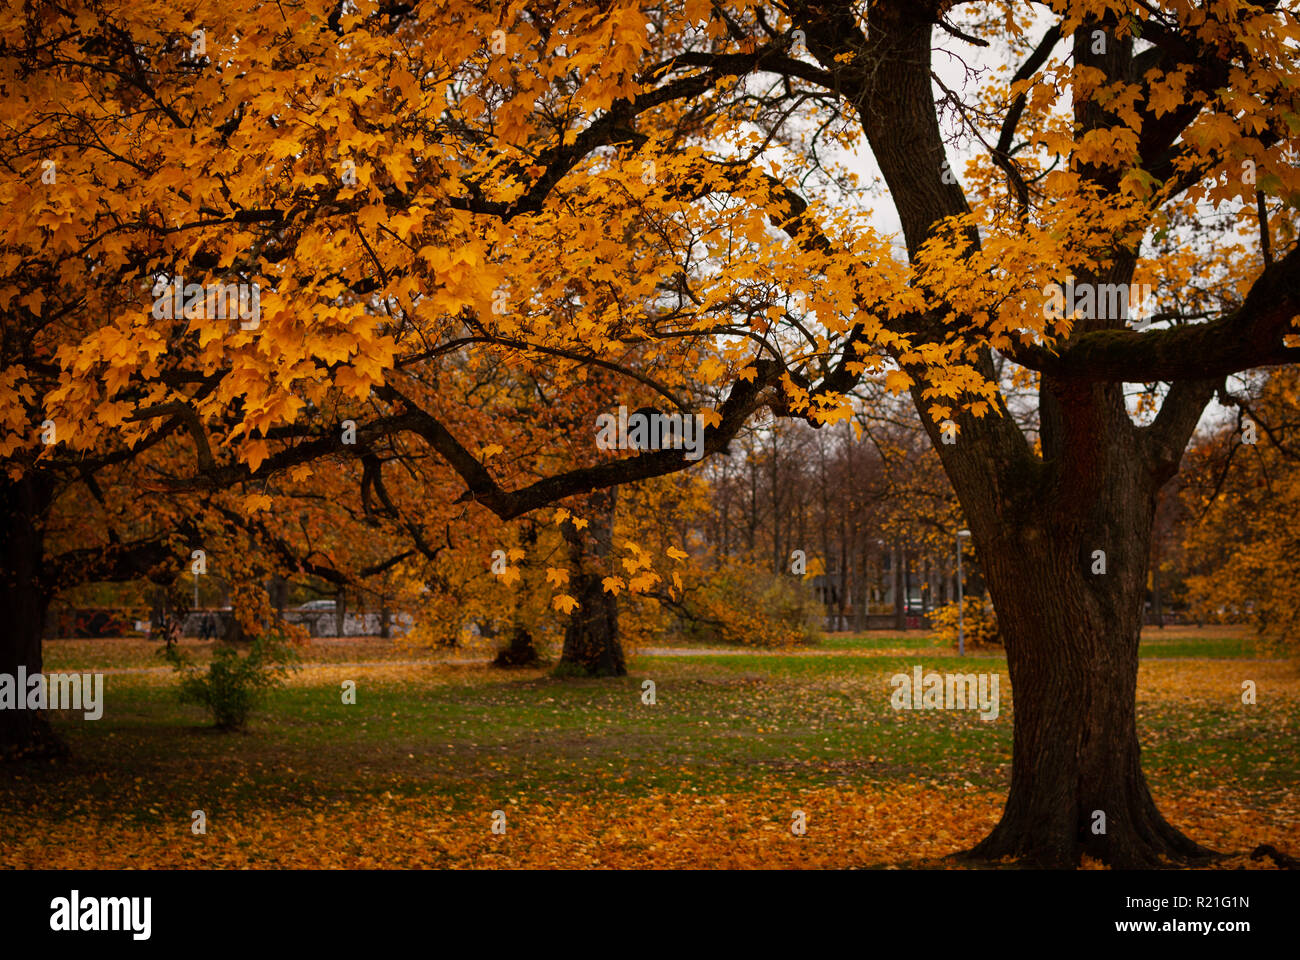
(904, 825)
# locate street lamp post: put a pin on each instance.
(961, 599)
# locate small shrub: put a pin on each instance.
(979, 623)
(743, 605)
(233, 683)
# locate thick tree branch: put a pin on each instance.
(1252, 336)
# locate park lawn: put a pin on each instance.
(586, 774)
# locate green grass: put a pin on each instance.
(1211, 642)
(1155, 645)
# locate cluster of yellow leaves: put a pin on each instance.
(979, 623)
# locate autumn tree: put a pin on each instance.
(661, 192)
(1241, 499)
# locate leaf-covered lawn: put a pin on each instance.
(589, 775)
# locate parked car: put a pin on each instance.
(318, 615)
(320, 618)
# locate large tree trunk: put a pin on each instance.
(1071, 627)
(234, 631)
(340, 611)
(520, 651)
(24, 598)
(1071, 638)
(591, 637)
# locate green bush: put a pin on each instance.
(233, 683)
(749, 606)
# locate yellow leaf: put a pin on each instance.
(644, 581)
(255, 451)
(710, 369)
(896, 381)
(564, 603)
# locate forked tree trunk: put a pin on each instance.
(591, 640)
(24, 600)
(1064, 552)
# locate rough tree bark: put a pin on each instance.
(340, 611)
(1065, 560)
